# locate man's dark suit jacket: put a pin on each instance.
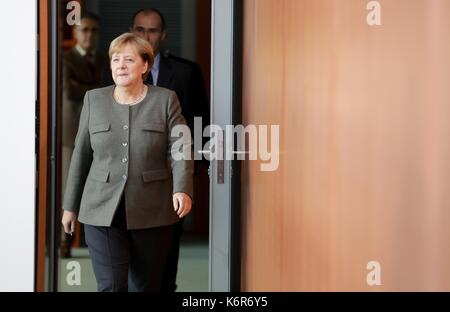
(79, 76)
(184, 77)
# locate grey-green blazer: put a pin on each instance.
(126, 149)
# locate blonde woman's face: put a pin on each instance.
(127, 66)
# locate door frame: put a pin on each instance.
(226, 108)
(42, 129)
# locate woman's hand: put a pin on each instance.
(182, 204)
(68, 220)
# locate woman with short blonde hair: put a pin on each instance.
(120, 183)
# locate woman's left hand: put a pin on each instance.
(182, 204)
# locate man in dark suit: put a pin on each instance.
(168, 71)
(184, 77)
(83, 69)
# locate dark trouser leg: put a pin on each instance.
(82, 238)
(109, 250)
(149, 250)
(66, 245)
(171, 267)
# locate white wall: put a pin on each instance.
(17, 152)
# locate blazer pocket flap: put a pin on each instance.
(99, 175)
(158, 127)
(100, 128)
(155, 175)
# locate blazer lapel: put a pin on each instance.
(165, 73)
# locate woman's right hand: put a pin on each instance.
(68, 220)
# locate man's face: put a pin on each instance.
(148, 27)
(86, 33)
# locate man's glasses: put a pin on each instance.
(88, 29)
(142, 30)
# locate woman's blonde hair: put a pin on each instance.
(143, 48)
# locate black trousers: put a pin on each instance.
(128, 260)
(171, 268)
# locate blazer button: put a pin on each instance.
(124, 177)
(124, 160)
(125, 144)
(125, 127)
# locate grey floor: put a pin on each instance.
(192, 269)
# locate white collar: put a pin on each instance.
(82, 51)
